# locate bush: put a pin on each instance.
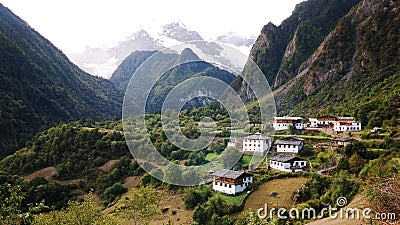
(113, 193)
(196, 196)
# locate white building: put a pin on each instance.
(290, 144)
(287, 163)
(312, 122)
(231, 182)
(344, 124)
(342, 142)
(256, 144)
(321, 122)
(283, 123)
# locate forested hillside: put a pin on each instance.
(40, 87)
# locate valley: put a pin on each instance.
(69, 152)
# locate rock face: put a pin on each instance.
(279, 51)
(329, 61)
(351, 66)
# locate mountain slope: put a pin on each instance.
(125, 70)
(39, 87)
(356, 67)
(185, 65)
(279, 51)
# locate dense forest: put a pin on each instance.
(40, 87)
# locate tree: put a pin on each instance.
(10, 206)
(250, 218)
(140, 206)
(356, 163)
(77, 212)
(173, 174)
(230, 156)
(196, 195)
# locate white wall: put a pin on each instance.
(285, 167)
(232, 189)
(355, 126)
(289, 148)
(252, 145)
(281, 126)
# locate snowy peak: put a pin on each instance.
(179, 32)
(103, 61)
(236, 39)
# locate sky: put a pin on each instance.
(72, 25)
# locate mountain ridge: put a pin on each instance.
(104, 61)
(40, 87)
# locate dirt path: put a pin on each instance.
(107, 166)
(47, 173)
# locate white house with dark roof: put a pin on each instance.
(286, 163)
(342, 142)
(256, 144)
(283, 123)
(321, 122)
(290, 144)
(231, 182)
(346, 124)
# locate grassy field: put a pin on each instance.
(234, 199)
(211, 156)
(247, 158)
(284, 189)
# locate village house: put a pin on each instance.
(290, 144)
(256, 144)
(321, 122)
(283, 123)
(342, 142)
(344, 124)
(231, 182)
(286, 163)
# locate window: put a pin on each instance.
(225, 185)
(215, 183)
(220, 184)
(230, 186)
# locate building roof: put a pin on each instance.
(228, 173)
(287, 142)
(344, 139)
(346, 118)
(286, 158)
(257, 136)
(288, 118)
(291, 140)
(327, 118)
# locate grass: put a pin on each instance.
(247, 158)
(211, 156)
(284, 189)
(235, 199)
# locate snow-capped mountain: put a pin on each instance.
(179, 32)
(237, 40)
(103, 61)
